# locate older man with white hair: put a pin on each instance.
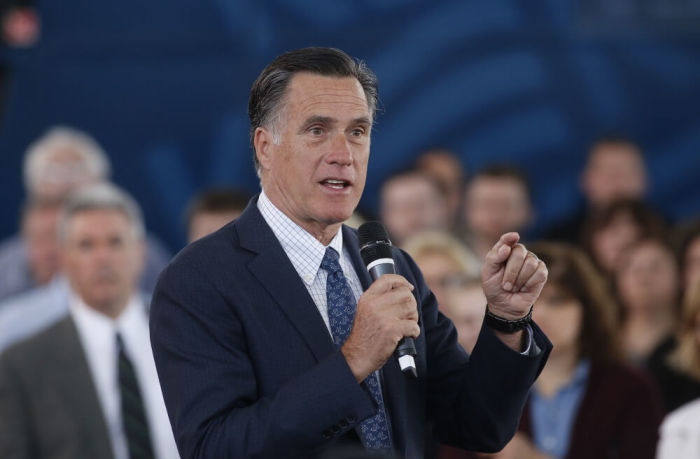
(62, 160)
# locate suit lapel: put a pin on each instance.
(74, 381)
(273, 270)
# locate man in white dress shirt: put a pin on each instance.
(87, 386)
(680, 433)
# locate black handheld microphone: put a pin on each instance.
(375, 249)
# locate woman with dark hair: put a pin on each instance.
(689, 253)
(585, 403)
(678, 372)
(608, 233)
(648, 286)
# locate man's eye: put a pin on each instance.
(116, 243)
(358, 132)
(85, 245)
(316, 131)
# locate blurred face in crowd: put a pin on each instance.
(441, 272)
(496, 205)
(610, 242)
(62, 171)
(466, 307)
(560, 316)
(445, 169)
(102, 257)
(204, 223)
(39, 234)
(614, 171)
(692, 263)
(315, 169)
(647, 277)
(410, 204)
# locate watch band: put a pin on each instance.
(505, 325)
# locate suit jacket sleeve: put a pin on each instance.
(210, 384)
(475, 401)
(14, 422)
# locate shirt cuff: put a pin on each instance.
(529, 350)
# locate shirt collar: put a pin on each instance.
(578, 380)
(581, 373)
(304, 251)
(100, 329)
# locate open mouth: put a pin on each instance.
(336, 184)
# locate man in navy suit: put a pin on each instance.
(256, 351)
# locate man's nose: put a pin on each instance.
(340, 152)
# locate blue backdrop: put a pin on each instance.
(163, 85)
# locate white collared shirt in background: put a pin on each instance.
(97, 333)
(680, 433)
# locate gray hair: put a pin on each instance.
(265, 105)
(95, 159)
(101, 196)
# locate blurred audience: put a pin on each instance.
(445, 167)
(678, 372)
(87, 386)
(411, 202)
(59, 162)
(452, 274)
(614, 170)
(32, 311)
(21, 25)
(497, 200)
(648, 287)
(680, 433)
(36, 259)
(585, 403)
(608, 233)
(689, 253)
(212, 209)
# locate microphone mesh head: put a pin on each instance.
(371, 232)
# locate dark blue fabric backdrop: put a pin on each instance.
(163, 85)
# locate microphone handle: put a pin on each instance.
(406, 349)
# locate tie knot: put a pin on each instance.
(330, 262)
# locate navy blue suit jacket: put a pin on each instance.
(248, 367)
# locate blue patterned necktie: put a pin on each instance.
(341, 312)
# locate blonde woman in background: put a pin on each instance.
(452, 272)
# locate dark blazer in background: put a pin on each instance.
(618, 418)
(49, 408)
(248, 367)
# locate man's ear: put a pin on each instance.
(262, 141)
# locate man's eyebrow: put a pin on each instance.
(317, 119)
(362, 120)
(329, 121)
